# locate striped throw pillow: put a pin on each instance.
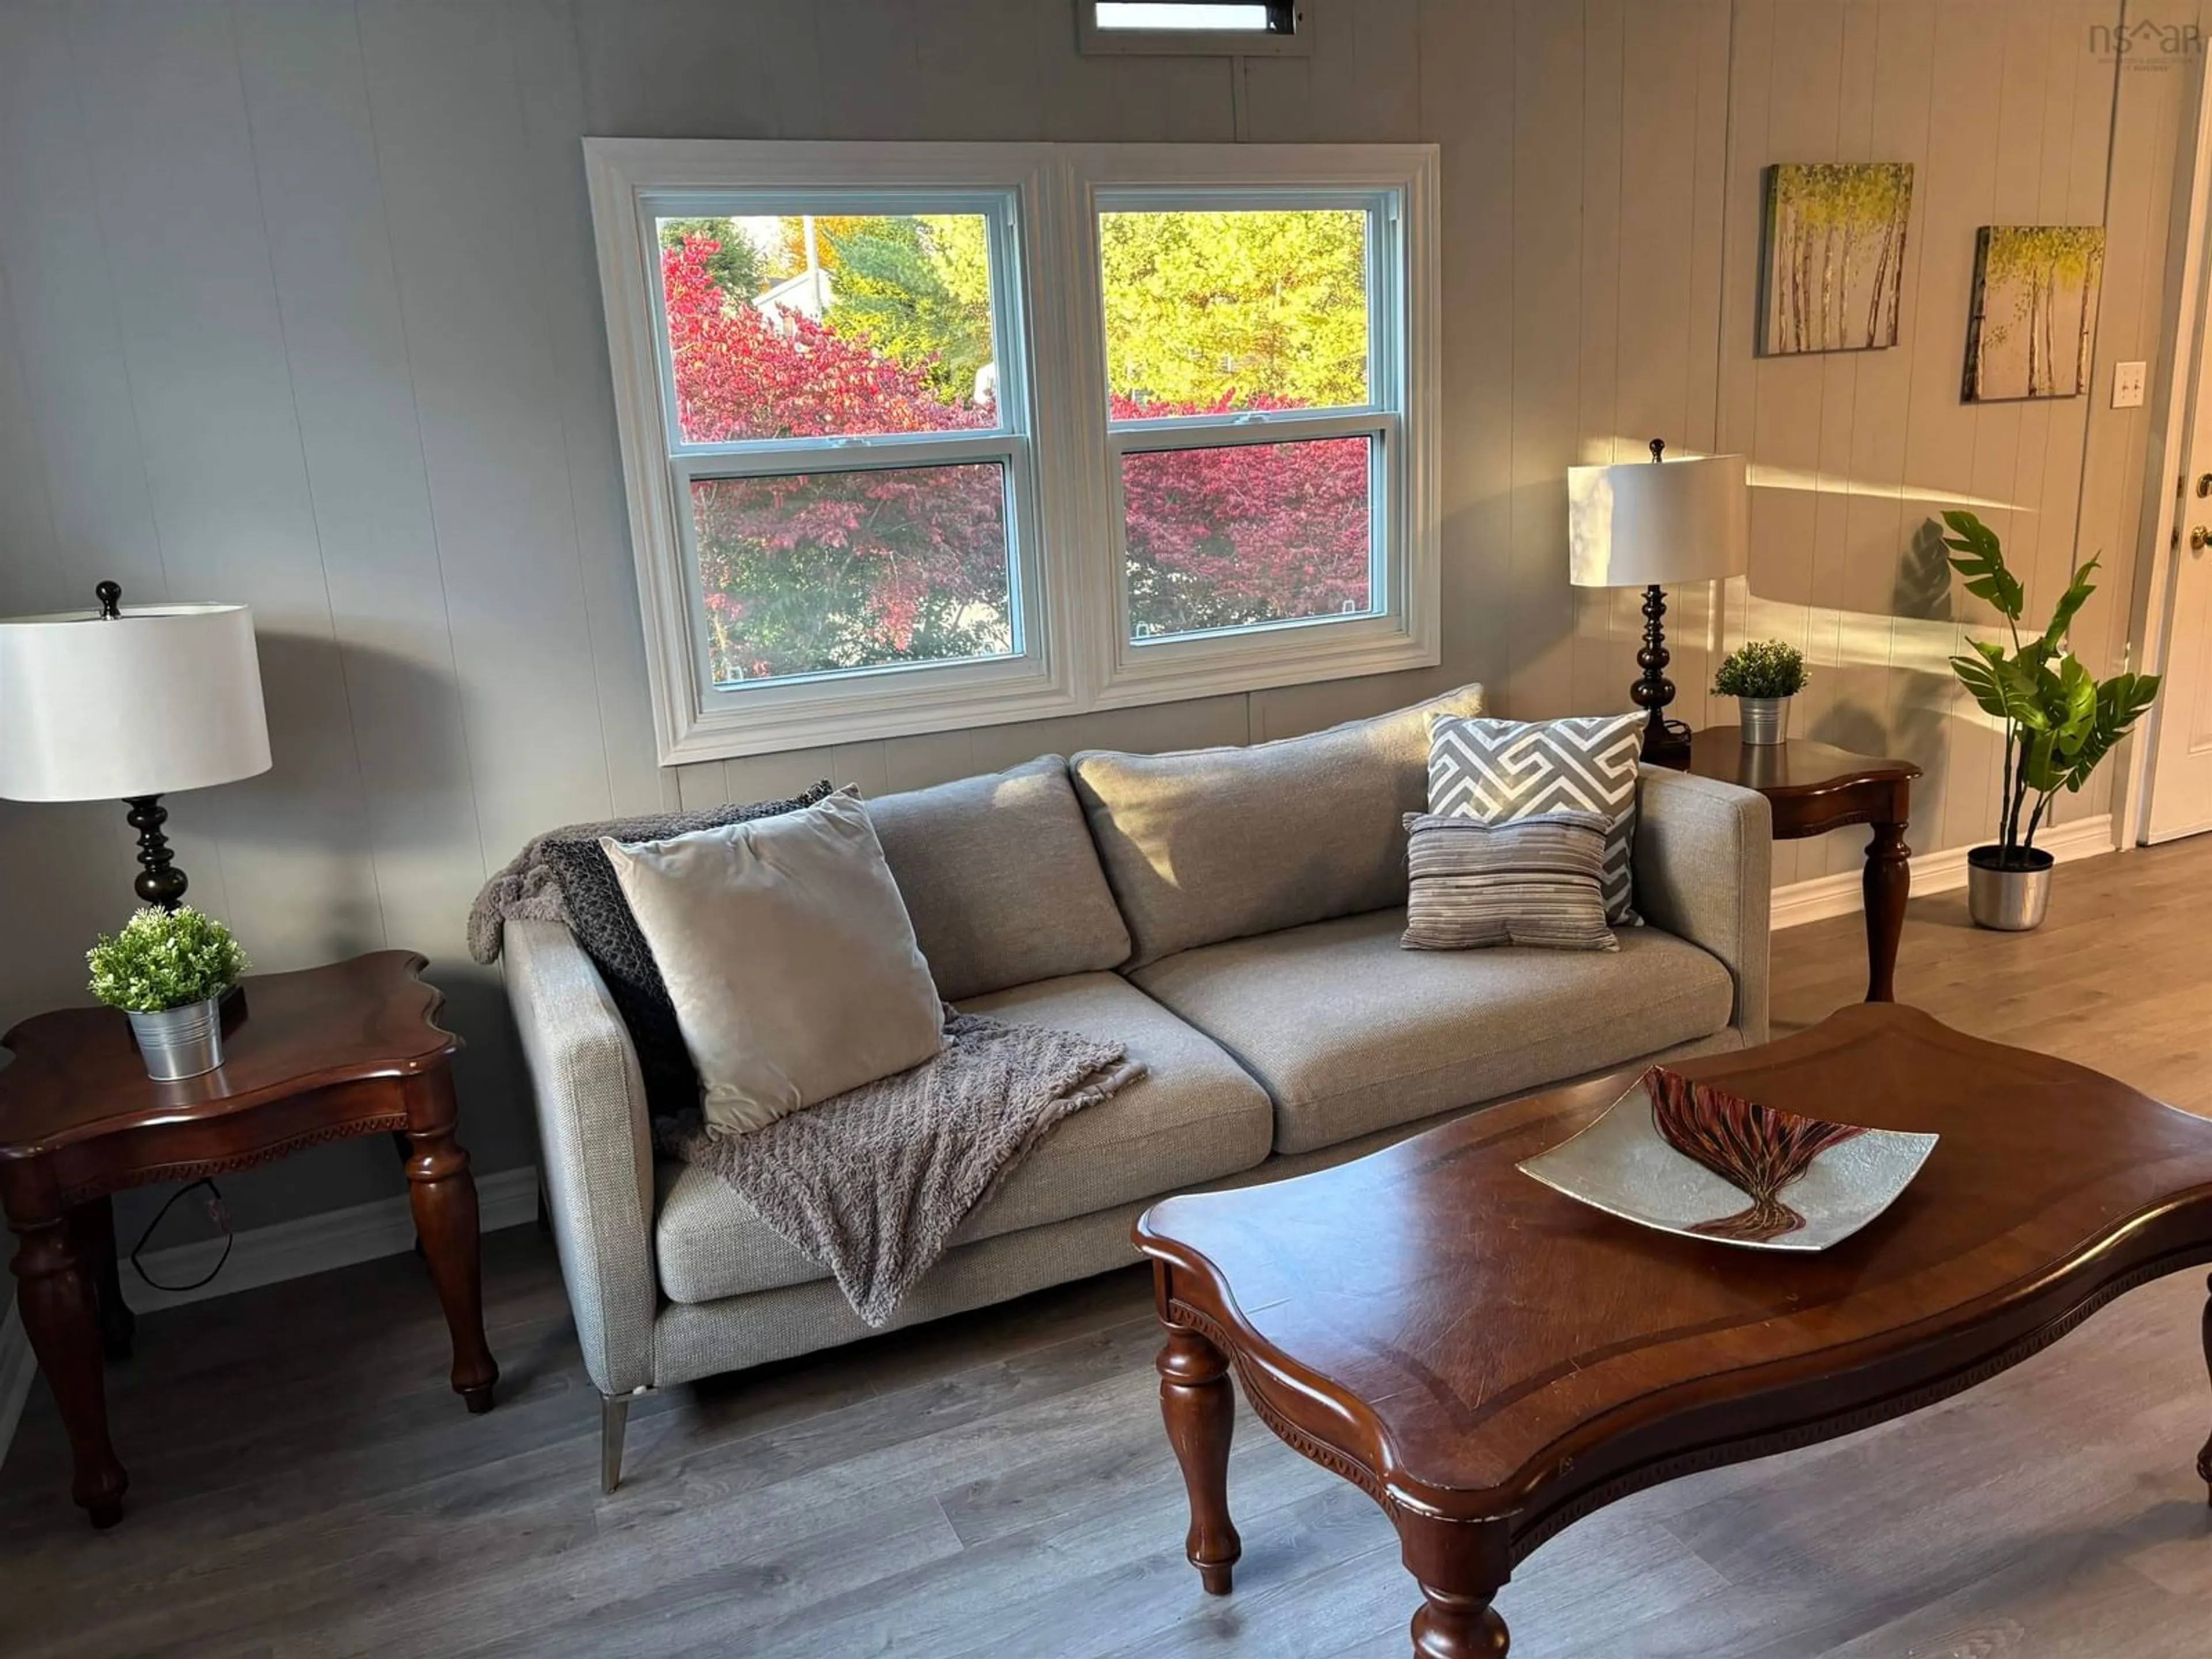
(1530, 881)
(1497, 770)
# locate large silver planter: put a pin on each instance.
(2009, 901)
(181, 1043)
(1765, 719)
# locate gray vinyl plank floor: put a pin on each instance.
(997, 1486)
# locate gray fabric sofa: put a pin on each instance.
(1233, 916)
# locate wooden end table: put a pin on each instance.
(349, 1049)
(1490, 1360)
(1815, 788)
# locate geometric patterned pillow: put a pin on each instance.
(1500, 770)
(600, 918)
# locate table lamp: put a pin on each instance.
(1648, 525)
(98, 705)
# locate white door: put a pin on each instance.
(2181, 757)
(2181, 767)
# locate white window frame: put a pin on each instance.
(1065, 523)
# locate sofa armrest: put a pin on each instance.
(597, 1147)
(1705, 860)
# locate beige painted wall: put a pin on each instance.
(297, 307)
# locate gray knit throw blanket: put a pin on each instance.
(874, 1183)
(525, 888)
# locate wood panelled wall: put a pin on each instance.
(297, 307)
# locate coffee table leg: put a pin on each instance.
(58, 1300)
(1201, 1410)
(1886, 884)
(1454, 1627)
(443, 1196)
(1460, 1566)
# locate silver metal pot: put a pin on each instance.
(1765, 719)
(2011, 901)
(181, 1043)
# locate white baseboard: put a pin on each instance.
(267, 1256)
(316, 1243)
(1932, 872)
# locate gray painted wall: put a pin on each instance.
(297, 307)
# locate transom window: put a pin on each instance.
(1242, 27)
(922, 436)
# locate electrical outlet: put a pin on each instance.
(2128, 385)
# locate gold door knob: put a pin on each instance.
(2199, 538)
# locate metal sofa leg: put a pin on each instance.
(614, 1418)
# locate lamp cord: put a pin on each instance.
(215, 1209)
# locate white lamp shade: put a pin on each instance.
(163, 697)
(1643, 522)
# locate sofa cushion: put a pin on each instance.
(1000, 879)
(1213, 844)
(1193, 1116)
(1350, 1034)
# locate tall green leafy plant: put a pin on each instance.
(2060, 720)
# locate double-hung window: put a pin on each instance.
(924, 436)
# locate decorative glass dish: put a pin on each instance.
(1686, 1157)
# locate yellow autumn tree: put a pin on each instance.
(1272, 305)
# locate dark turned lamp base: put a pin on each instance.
(158, 880)
(1666, 743)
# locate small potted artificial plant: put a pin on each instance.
(168, 969)
(1762, 675)
(2059, 719)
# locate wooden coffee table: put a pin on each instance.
(1491, 1361)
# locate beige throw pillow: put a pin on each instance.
(1213, 844)
(788, 955)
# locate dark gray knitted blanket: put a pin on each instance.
(874, 1183)
(527, 889)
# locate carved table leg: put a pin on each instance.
(1460, 1566)
(1453, 1626)
(443, 1196)
(56, 1295)
(2205, 1457)
(1888, 884)
(92, 1235)
(406, 1151)
(1201, 1409)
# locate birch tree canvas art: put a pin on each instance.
(2034, 312)
(1835, 255)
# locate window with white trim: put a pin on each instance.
(924, 436)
